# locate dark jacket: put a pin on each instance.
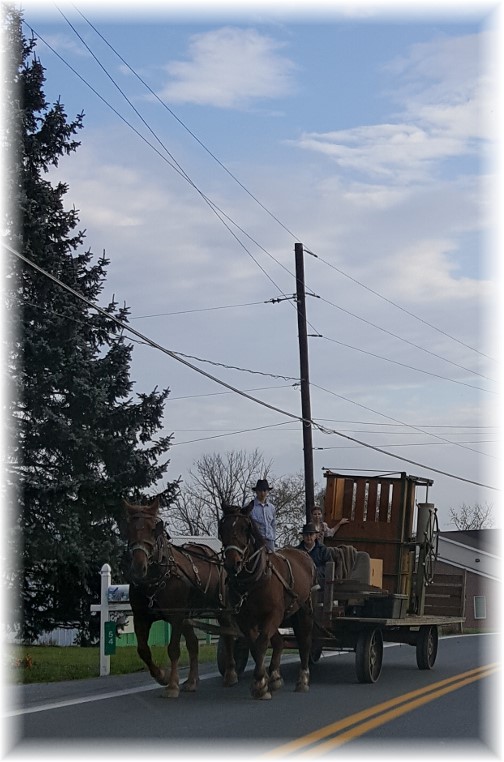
(319, 554)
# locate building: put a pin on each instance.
(475, 556)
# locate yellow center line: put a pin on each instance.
(322, 733)
(365, 727)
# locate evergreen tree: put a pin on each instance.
(78, 439)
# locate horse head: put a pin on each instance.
(239, 537)
(144, 533)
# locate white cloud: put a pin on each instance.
(446, 105)
(424, 271)
(64, 44)
(230, 68)
(398, 152)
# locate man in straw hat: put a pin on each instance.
(263, 513)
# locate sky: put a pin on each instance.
(366, 133)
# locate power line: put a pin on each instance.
(403, 365)
(201, 309)
(398, 306)
(221, 214)
(416, 428)
(254, 198)
(191, 357)
(217, 394)
(230, 434)
(191, 133)
(410, 444)
(268, 211)
(401, 338)
(174, 356)
(425, 425)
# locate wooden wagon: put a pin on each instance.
(399, 535)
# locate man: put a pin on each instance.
(318, 552)
(263, 513)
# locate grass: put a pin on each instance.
(47, 664)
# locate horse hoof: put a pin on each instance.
(161, 678)
(188, 687)
(276, 684)
(265, 697)
(260, 690)
(170, 693)
(302, 688)
(230, 680)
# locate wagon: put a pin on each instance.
(360, 614)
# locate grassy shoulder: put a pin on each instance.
(48, 664)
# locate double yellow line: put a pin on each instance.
(325, 739)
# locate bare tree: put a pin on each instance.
(216, 479)
(289, 500)
(475, 516)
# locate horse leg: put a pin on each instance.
(230, 674)
(275, 679)
(259, 688)
(192, 644)
(172, 689)
(142, 629)
(302, 624)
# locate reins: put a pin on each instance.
(161, 554)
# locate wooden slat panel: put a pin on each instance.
(446, 595)
(329, 499)
(371, 510)
(384, 500)
(448, 579)
(347, 498)
(359, 501)
(338, 501)
(450, 590)
(396, 516)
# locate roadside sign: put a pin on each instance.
(110, 638)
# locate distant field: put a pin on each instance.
(48, 664)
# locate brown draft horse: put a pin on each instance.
(266, 589)
(172, 583)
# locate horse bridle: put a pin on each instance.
(245, 554)
(155, 544)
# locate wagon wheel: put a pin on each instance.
(427, 646)
(431, 547)
(241, 654)
(315, 652)
(369, 655)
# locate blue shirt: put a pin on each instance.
(264, 517)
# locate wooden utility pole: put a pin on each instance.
(305, 381)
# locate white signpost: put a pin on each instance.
(113, 598)
(116, 598)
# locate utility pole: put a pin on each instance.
(305, 380)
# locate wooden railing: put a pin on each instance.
(445, 596)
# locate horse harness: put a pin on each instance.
(162, 555)
(261, 568)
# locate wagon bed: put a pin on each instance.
(386, 523)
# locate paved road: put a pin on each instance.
(444, 708)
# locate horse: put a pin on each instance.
(266, 588)
(170, 583)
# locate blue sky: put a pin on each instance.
(371, 137)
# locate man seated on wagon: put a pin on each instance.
(318, 552)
